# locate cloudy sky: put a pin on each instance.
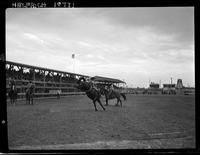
(131, 44)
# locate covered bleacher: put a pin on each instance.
(103, 81)
(106, 80)
(46, 80)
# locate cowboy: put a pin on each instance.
(92, 84)
(111, 88)
(11, 82)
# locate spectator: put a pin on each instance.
(58, 94)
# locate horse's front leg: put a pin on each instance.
(95, 105)
(120, 102)
(26, 99)
(14, 101)
(117, 104)
(31, 100)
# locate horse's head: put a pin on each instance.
(83, 85)
(80, 80)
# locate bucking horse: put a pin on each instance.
(90, 91)
(112, 94)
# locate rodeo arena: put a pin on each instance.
(49, 109)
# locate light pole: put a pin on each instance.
(73, 57)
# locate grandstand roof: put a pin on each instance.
(42, 68)
(106, 79)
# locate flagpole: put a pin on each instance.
(74, 66)
(73, 57)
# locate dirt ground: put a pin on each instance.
(144, 121)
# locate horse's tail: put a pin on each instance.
(123, 95)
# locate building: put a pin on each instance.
(140, 90)
(169, 89)
(154, 88)
(179, 84)
(154, 85)
(189, 91)
(179, 87)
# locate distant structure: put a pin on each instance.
(181, 89)
(154, 88)
(179, 86)
(139, 90)
(189, 90)
(169, 89)
(154, 85)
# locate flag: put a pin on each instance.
(73, 56)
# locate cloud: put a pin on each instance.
(33, 37)
(169, 20)
(82, 43)
(131, 43)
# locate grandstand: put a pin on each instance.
(46, 81)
